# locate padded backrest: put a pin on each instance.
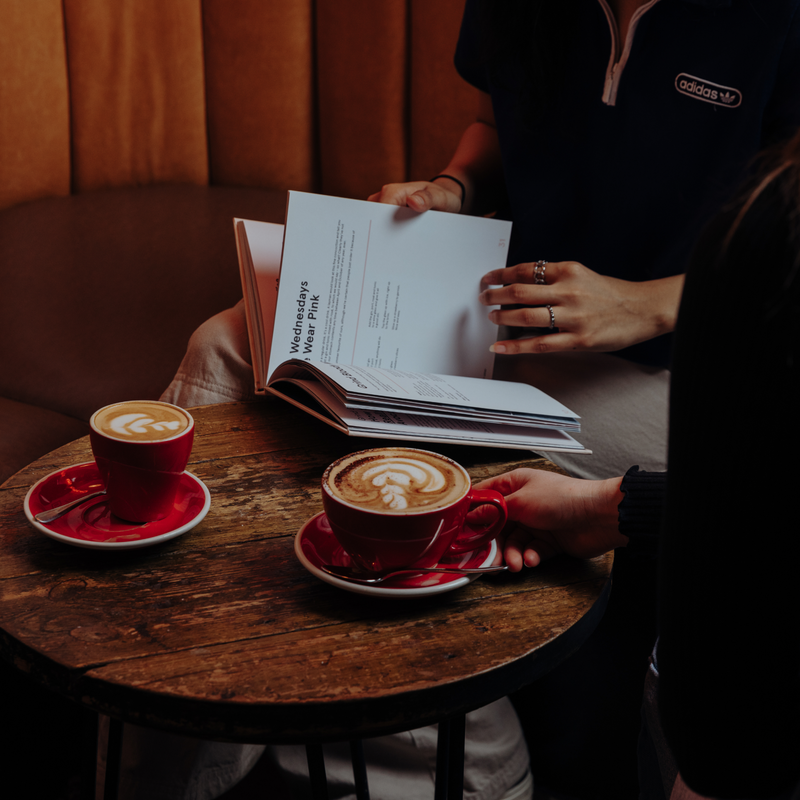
(337, 96)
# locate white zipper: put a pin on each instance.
(617, 59)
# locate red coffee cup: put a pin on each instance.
(398, 507)
(141, 448)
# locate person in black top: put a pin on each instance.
(618, 158)
(609, 132)
(723, 518)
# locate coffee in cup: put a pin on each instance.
(397, 481)
(141, 448)
(397, 507)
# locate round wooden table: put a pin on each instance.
(222, 634)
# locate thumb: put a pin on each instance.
(420, 200)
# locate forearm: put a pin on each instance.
(478, 165)
(477, 162)
(472, 181)
(602, 499)
(657, 303)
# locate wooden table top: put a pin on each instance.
(222, 633)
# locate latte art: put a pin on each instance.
(397, 480)
(141, 421)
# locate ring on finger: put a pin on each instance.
(538, 272)
(552, 317)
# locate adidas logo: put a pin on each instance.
(707, 91)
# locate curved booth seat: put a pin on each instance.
(99, 293)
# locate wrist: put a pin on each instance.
(663, 299)
(454, 185)
(607, 497)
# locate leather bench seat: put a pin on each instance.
(99, 294)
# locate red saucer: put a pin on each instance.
(92, 525)
(316, 545)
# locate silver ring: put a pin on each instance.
(552, 317)
(538, 272)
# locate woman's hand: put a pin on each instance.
(439, 195)
(550, 514)
(590, 311)
(476, 163)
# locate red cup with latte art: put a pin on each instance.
(398, 507)
(141, 448)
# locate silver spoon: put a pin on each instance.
(54, 513)
(358, 576)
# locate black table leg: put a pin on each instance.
(450, 758)
(442, 760)
(113, 759)
(89, 731)
(359, 769)
(316, 771)
(458, 727)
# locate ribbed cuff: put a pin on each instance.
(641, 510)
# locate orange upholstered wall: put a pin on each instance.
(336, 96)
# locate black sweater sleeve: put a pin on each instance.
(641, 510)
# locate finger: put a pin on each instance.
(508, 482)
(436, 197)
(396, 194)
(483, 516)
(519, 294)
(420, 201)
(513, 549)
(537, 552)
(547, 343)
(390, 198)
(537, 316)
(498, 556)
(523, 273)
(524, 548)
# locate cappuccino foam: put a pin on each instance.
(141, 421)
(397, 480)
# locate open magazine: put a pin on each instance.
(367, 316)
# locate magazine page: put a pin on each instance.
(445, 395)
(425, 391)
(450, 396)
(381, 286)
(259, 246)
(420, 428)
(315, 398)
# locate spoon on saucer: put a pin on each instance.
(53, 514)
(358, 576)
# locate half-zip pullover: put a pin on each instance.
(644, 140)
(619, 50)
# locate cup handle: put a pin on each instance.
(480, 497)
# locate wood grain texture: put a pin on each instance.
(222, 633)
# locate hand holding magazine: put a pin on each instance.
(367, 316)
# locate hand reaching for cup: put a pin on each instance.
(551, 514)
(587, 311)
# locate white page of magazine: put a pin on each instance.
(382, 286)
(439, 429)
(449, 391)
(422, 428)
(259, 251)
